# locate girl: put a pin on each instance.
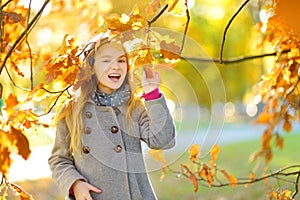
(97, 152)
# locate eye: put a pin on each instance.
(122, 60)
(106, 61)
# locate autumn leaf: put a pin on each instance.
(20, 191)
(192, 177)
(207, 174)
(158, 155)
(21, 142)
(5, 151)
(170, 50)
(144, 58)
(233, 181)
(279, 141)
(194, 152)
(251, 178)
(152, 7)
(214, 154)
(11, 102)
(287, 125)
(264, 117)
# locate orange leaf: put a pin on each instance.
(287, 125)
(144, 58)
(214, 154)
(207, 174)
(21, 192)
(152, 7)
(5, 146)
(192, 177)
(279, 141)
(251, 177)
(21, 142)
(194, 152)
(230, 177)
(11, 101)
(264, 117)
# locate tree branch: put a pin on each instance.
(23, 34)
(227, 27)
(158, 15)
(186, 27)
(231, 60)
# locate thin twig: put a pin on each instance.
(23, 34)
(227, 27)
(231, 60)
(296, 186)
(159, 14)
(3, 6)
(186, 28)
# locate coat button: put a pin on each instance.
(118, 148)
(86, 149)
(88, 115)
(114, 129)
(87, 130)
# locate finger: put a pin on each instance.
(94, 189)
(149, 72)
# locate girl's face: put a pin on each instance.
(110, 67)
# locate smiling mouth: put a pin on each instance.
(114, 77)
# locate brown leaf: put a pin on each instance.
(21, 142)
(287, 125)
(192, 177)
(169, 50)
(152, 7)
(5, 146)
(206, 173)
(279, 141)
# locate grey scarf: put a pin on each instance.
(116, 98)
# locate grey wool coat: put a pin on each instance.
(111, 159)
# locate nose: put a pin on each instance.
(115, 65)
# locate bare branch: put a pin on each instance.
(186, 28)
(231, 60)
(158, 15)
(227, 27)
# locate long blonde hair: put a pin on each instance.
(72, 114)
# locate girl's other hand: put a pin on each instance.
(81, 190)
(150, 79)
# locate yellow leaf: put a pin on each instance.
(214, 154)
(251, 177)
(194, 152)
(158, 155)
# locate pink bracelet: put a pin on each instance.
(154, 94)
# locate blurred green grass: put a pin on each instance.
(232, 157)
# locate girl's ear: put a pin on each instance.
(91, 61)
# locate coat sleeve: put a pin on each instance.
(156, 124)
(61, 161)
